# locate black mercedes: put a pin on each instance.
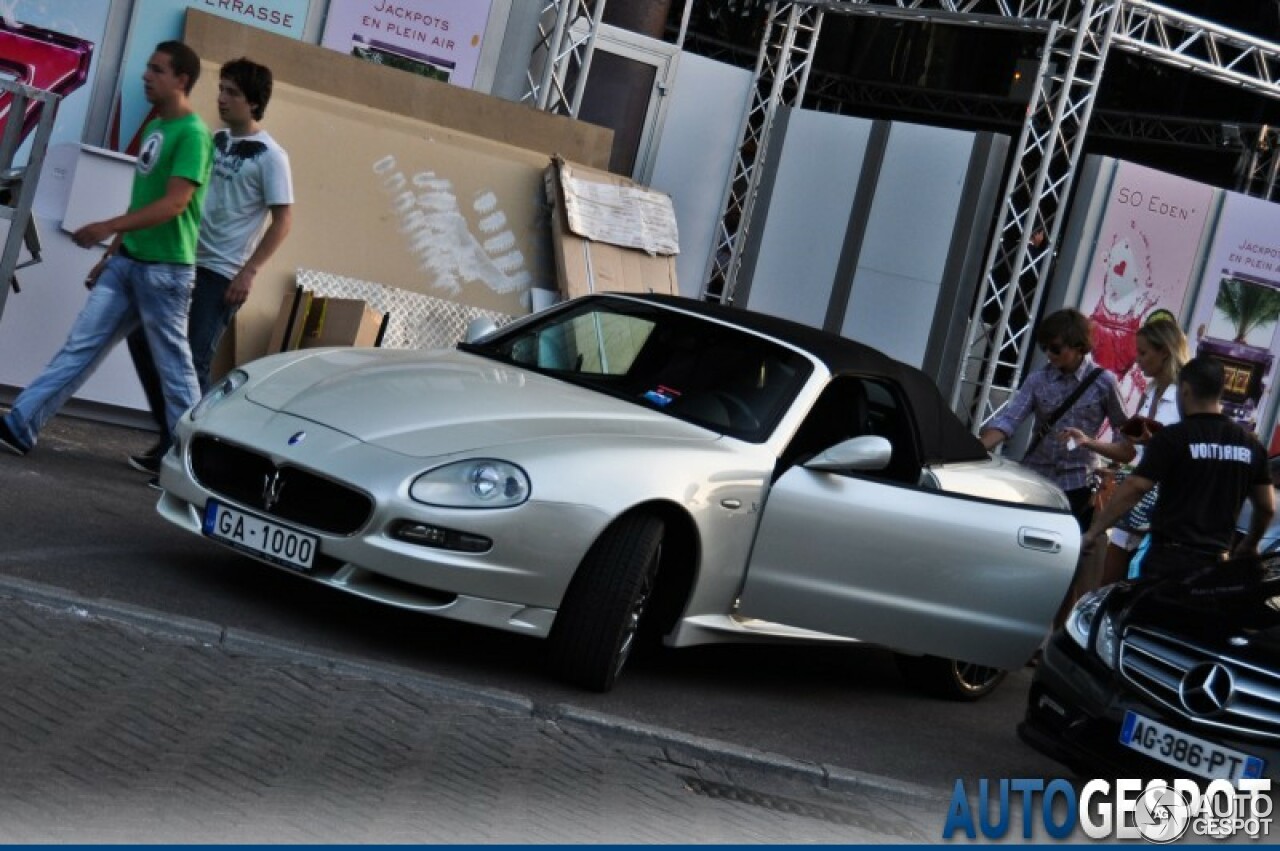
(1166, 678)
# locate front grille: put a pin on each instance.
(243, 476)
(1156, 664)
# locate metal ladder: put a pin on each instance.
(18, 183)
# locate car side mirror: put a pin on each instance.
(869, 452)
(479, 328)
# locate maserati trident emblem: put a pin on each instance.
(1207, 689)
(272, 486)
(297, 437)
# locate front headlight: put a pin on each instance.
(1107, 645)
(233, 381)
(478, 483)
(1088, 620)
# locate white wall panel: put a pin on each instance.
(808, 215)
(907, 240)
(695, 152)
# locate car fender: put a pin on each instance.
(719, 485)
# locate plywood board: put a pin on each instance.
(390, 90)
(386, 198)
(381, 195)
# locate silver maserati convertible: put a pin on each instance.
(622, 467)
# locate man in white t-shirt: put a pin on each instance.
(247, 215)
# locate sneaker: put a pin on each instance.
(9, 441)
(154, 483)
(146, 463)
(149, 461)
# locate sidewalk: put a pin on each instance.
(124, 725)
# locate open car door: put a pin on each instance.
(909, 568)
(853, 545)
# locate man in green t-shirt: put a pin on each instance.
(146, 277)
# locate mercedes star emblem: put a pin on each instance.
(1206, 689)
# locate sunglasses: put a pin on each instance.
(1052, 348)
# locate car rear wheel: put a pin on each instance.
(599, 619)
(949, 679)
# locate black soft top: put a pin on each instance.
(943, 437)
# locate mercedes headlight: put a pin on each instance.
(479, 483)
(233, 381)
(1093, 628)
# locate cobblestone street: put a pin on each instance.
(123, 726)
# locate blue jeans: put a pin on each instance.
(128, 293)
(207, 322)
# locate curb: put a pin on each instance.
(678, 747)
(683, 747)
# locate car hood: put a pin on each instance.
(1233, 607)
(1000, 479)
(440, 402)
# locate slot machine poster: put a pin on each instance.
(438, 39)
(1237, 313)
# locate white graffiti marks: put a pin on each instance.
(440, 238)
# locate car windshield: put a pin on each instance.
(714, 375)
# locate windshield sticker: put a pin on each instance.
(662, 396)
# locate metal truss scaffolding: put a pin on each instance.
(782, 71)
(561, 57)
(1000, 334)
(1078, 34)
(1259, 167)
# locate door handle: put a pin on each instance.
(1039, 539)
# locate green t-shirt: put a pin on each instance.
(178, 147)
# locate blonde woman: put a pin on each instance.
(1162, 351)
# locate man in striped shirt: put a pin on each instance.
(1067, 340)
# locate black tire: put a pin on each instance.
(599, 618)
(949, 679)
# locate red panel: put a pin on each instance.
(43, 59)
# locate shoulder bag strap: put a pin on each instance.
(1062, 409)
(1155, 401)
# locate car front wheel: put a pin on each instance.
(950, 679)
(599, 618)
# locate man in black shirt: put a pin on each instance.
(1206, 466)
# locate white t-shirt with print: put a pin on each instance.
(250, 175)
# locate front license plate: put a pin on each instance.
(259, 536)
(1190, 753)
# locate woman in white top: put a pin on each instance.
(1162, 350)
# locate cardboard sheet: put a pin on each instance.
(308, 321)
(608, 207)
(286, 331)
(341, 322)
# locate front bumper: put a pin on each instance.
(1075, 710)
(516, 585)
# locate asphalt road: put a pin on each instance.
(74, 516)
